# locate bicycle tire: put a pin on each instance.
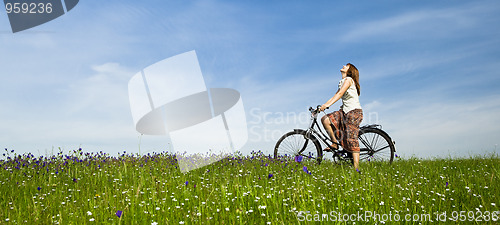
(375, 145)
(298, 142)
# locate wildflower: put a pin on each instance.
(493, 204)
(381, 203)
(119, 213)
(75, 180)
(39, 188)
(270, 175)
(187, 182)
(154, 223)
(181, 222)
(446, 183)
(298, 158)
(305, 170)
(89, 213)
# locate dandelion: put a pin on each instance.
(119, 213)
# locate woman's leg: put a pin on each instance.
(354, 119)
(327, 124)
(355, 160)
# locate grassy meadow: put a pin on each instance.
(97, 188)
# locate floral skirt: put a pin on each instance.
(346, 128)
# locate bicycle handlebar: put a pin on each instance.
(312, 110)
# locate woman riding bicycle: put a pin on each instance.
(345, 121)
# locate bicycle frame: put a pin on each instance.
(318, 133)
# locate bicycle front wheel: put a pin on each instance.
(298, 143)
(375, 145)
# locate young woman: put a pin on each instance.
(345, 121)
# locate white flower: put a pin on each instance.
(89, 213)
(227, 209)
(493, 204)
(181, 222)
(91, 219)
(382, 203)
(154, 223)
(157, 208)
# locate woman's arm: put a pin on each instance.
(347, 83)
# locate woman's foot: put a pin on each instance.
(332, 148)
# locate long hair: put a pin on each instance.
(353, 73)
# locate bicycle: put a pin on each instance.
(375, 144)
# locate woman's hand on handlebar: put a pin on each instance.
(323, 107)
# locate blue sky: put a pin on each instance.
(428, 69)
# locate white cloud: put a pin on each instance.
(421, 23)
(437, 128)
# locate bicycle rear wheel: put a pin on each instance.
(375, 145)
(298, 143)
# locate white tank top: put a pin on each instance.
(350, 99)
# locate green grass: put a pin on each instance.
(90, 188)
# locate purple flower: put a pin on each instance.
(270, 175)
(119, 213)
(298, 158)
(75, 180)
(194, 186)
(446, 183)
(39, 188)
(187, 182)
(305, 170)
